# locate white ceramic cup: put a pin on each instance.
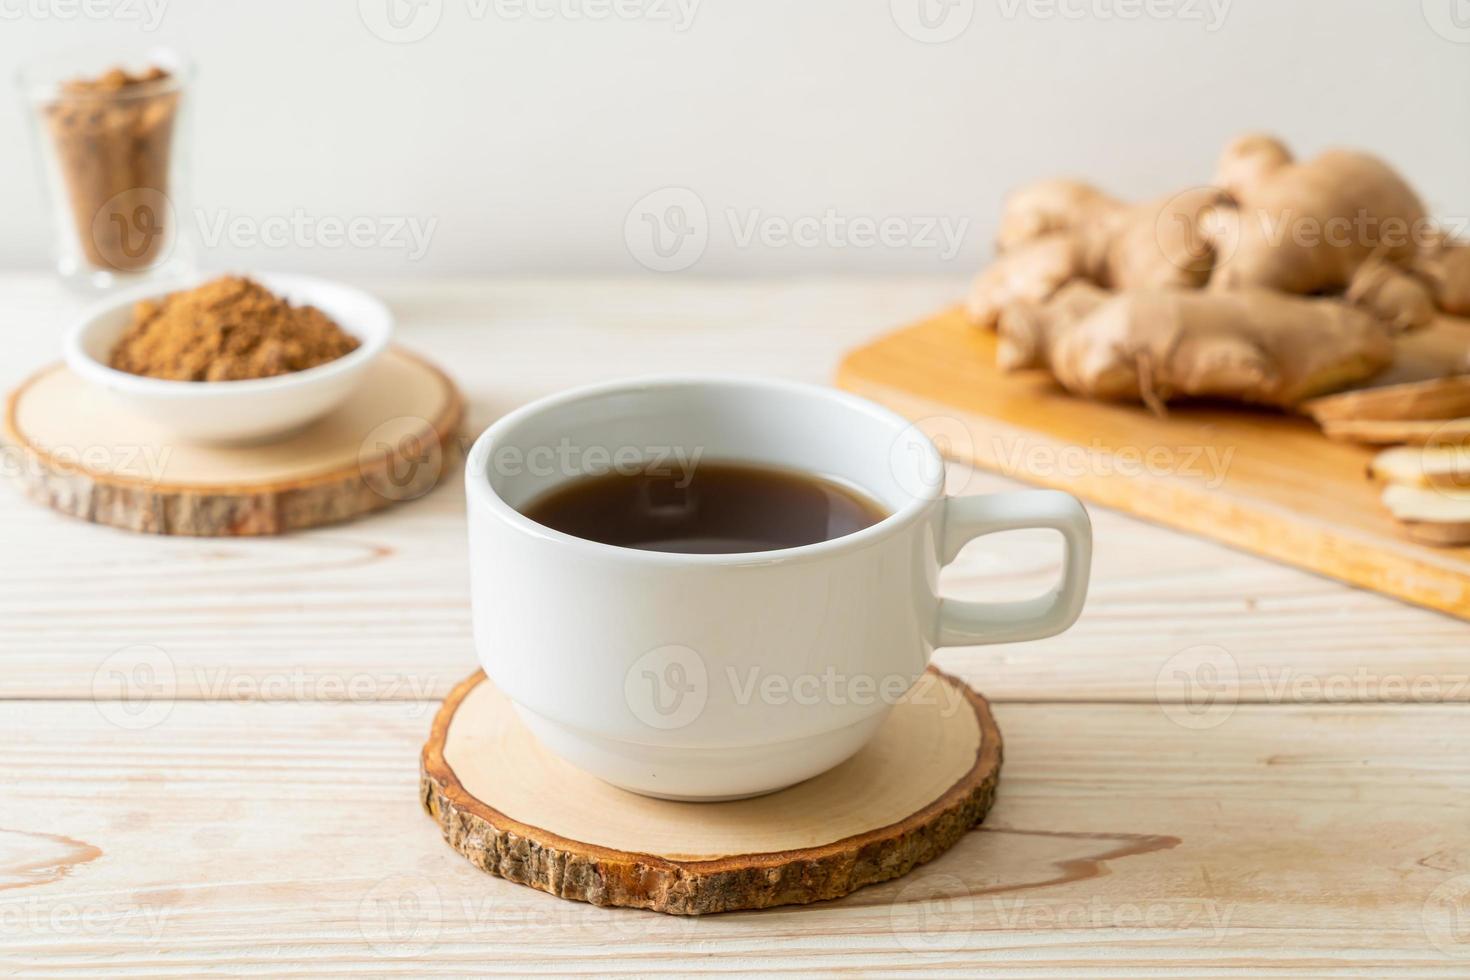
(703, 677)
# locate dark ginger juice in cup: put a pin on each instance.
(716, 508)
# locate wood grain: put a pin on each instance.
(268, 822)
(518, 812)
(81, 455)
(1286, 841)
(1268, 483)
(378, 609)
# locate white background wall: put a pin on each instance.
(526, 139)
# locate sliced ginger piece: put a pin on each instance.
(1394, 432)
(1436, 517)
(1439, 398)
(1426, 467)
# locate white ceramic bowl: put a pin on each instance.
(236, 411)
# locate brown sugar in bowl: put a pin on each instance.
(225, 412)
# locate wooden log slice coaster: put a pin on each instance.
(78, 453)
(519, 812)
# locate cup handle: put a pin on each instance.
(966, 518)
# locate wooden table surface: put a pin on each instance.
(1228, 768)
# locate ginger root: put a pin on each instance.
(1153, 346)
(1051, 206)
(1031, 273)
(1163, 243)
(1392, 294)
(1444, 264)
(1306, 228)
(1283, 280)
(1026, 329)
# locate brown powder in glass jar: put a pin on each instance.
(229, 329)
(113, 137)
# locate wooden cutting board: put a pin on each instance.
(1266, 483)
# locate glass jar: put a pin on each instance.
(109, 130)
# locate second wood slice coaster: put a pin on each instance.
(390, 442)
(517, 811)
